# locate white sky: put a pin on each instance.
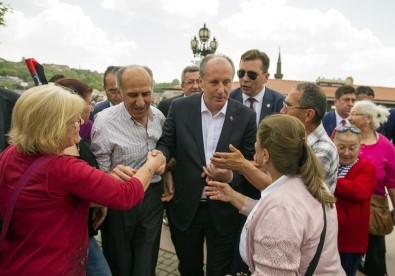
(332, 39)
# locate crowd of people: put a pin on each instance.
(270, 184)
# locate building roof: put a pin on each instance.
(383, 95)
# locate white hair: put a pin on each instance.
(379, 113)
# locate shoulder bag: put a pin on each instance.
(34, 167)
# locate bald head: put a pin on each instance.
(135, 84)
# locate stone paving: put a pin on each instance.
(167, 264)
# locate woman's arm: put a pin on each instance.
(223, 192)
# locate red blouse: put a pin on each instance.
(48, 230)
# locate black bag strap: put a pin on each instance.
(34, 167)
(314, 262)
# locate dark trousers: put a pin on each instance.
(189, 246)
(350, 262)
(375, 257)
(131, 238)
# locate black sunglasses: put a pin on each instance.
(347, 128)
(250, 74)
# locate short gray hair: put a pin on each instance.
(206, 59)
(313, 97)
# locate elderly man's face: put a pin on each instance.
(137, 93)
(217, 83)
(191, 84)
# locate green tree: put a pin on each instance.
(3, 10)
(175, 82)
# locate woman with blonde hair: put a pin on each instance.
(47, 225)
(294, 224)
(376, 148)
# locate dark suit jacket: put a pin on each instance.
(164, 105)
(329, 122)
(7, 102)
(182, 138)
(99, 107)
(272, 101)
(390, 126)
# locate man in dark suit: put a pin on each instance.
(7, 102)
(345, 97)
(390, 126)
(190, 85)
(253, 75)
(112, 91)
(195, 128)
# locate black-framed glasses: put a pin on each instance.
(343, 129)
(250, 74)
(293, 107)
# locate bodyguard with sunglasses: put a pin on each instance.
(253, 74)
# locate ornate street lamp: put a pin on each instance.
(203, 47)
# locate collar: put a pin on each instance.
(258, 97)
(318, 133)
(203, 107)
(340, 118)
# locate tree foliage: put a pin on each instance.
(3, 10)
(92, 78)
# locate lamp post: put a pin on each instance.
(203, 46)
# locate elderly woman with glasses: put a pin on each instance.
(376, 148)
(47, 233)
(356, 182)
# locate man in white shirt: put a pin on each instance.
(124, 134)
(195, 128)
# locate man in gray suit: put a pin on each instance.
(195, 128)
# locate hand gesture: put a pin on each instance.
(98, 216)
(212, 172)
(123, 173)
(219, 191)
(168, 187)
(232, 160)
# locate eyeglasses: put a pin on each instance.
(343, 129)
(250, 74)
(357, 114)
(113, 90)
(192, 82)
(293, 107)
